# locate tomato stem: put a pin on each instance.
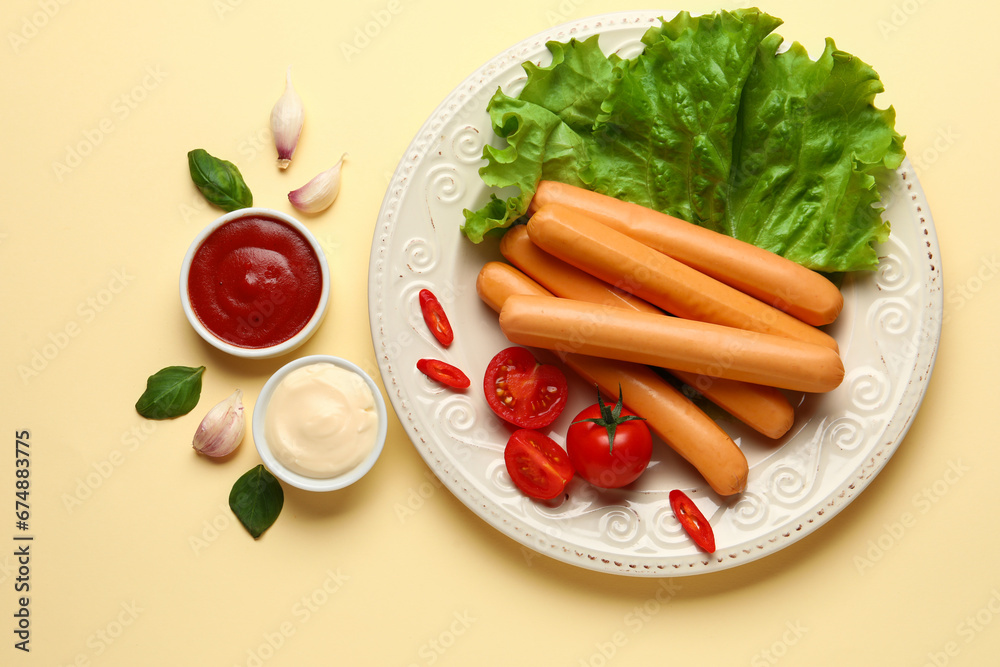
(610, 417)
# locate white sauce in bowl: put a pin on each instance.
(321, 420)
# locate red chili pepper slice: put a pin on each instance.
(444, 373)
(692, 520)
(435, 318)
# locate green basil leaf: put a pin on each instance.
(256, 500)
(219, 181)
(170, 392)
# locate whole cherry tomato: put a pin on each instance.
(444, 373)
(537, 464)
(522, 391)
(435, 318)
(609, 447)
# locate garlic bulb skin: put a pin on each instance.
(287, 118)
(319, 193)
(223, 428)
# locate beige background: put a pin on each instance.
(137, 559)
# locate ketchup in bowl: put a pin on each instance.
(255, 281)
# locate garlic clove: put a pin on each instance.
(319, 193)
(287, 117)
(223, 428)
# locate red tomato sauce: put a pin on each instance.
(255, 282)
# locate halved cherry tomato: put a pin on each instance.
(537, 464)
(522, 391)
(435, 318)
(692, 520)
(444, 373)
(609, 447)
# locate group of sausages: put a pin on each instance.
(616, 289)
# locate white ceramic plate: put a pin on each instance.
(888, 335)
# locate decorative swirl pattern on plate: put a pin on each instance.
(499, 478)
(787, 484)
(895, 268)
(868, 388)
(457, 414)
(750, 511)
(467, 145)
(409, 297)
(420, 255)
(846, 433)
(891, 274)
(665, 526)
(620, 524)
(444, 183)
(892, 316)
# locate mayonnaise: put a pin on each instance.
(321, 420)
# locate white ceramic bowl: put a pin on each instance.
(256, 352)
(291, 477)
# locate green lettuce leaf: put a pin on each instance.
(667, 126)
(709, 124)
(632, 129)
(810, 148)
(546, 131)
